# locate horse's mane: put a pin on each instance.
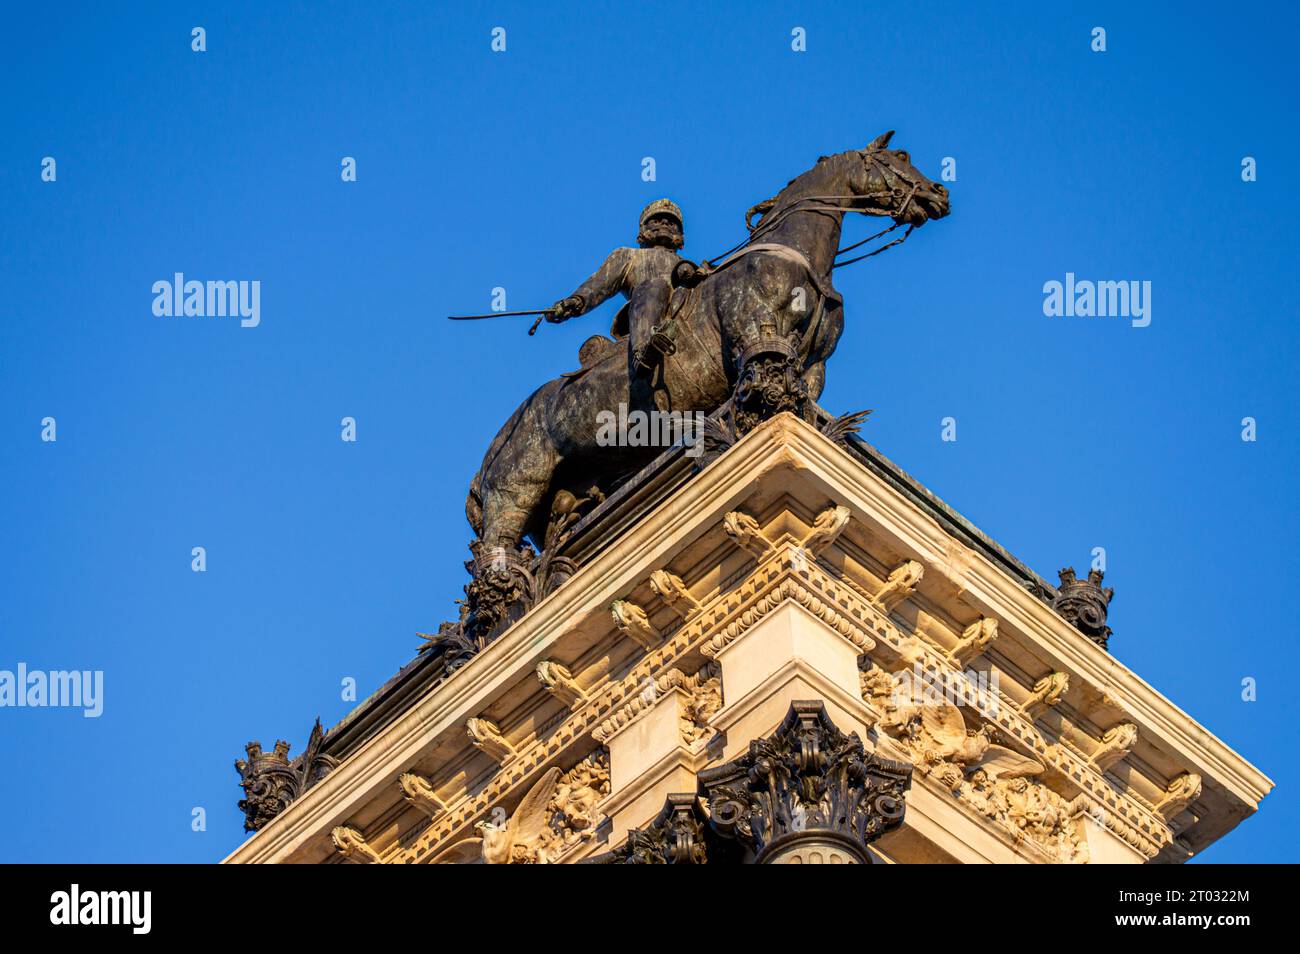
(767, 206)
(815, 166)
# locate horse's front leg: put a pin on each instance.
(814, 378)
(513, 490)
(762, 324)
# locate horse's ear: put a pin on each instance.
(881, 141)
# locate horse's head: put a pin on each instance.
(890, 185)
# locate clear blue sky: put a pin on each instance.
(522, 170)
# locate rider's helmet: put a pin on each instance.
(661, 207)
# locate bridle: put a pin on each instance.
(827, 205)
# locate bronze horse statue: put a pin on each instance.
(755, 334)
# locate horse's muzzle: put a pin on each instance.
(933, 201)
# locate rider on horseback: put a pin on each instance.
(644, 276)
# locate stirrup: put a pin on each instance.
(660, 342)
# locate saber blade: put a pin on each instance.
(498, 314)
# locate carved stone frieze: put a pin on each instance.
(705, 699)
(893, 696)
(526, 837)
(842, 605)
(1028, 810)
(558, 812)
(1020, 774)
(991, 779)
(702, 698)
(575, 816)
(790, 589)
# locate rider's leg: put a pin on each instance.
(648, 305)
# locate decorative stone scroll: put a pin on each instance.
(633, 623)
(975, 639)
(748, 535)
(488, 738)
(830, 523)
(1047, 693)
(560, 683)
(351, 845)
(899, 586)
(673, 591)
(1116, 743)
(1181, 792)
(418, 792)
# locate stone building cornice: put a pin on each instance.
(724, 582)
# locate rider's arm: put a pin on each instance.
(608, 280)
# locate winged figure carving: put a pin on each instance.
(526, 835)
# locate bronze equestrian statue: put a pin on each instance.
(749, 335)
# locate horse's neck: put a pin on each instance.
(815, 234)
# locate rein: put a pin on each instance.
(825, 204)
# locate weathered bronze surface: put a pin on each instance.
(1085, 604)
(806, 783)
(270, 781)
(806, 791)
